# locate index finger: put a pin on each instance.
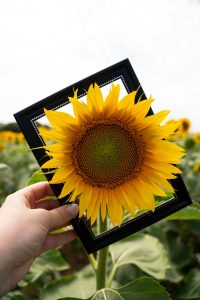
(35, 192)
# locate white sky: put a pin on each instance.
(46, 45)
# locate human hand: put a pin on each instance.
(25, 222)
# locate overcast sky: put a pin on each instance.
(46, 45)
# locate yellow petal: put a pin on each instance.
(111, 210)
(96, 210)
(111, 102)
(141, 108)
(67, 189)
(164, 146)
(159, 179)
(126, 200)
(55, 148)
(145, 194)
(172, 159)
(128, 101)
(56, 136)
(161, 132)
(79, 188)
(58, 118)
(52, 163)
(94, 200)
(164, 167)
(61, 175)
(80, 109)
(98, 97)
(104, 204)
(91, 103)
(94, 100)
(131, 189)
(156, 189)
(85, 200)
(153, 120)
(116, 201)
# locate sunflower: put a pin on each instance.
(197, 167)
(20, 138)
(197, 137)
(176, 134)
(184, 127)
(110, 155)
(2, 147)
(8, 136)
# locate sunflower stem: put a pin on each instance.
(111, 276)
(101, 258)
(93, 261)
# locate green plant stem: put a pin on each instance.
(93, 261)
(101, 258)
(111, 276)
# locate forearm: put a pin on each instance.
(5, 269)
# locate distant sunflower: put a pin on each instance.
(8, 136)
(176, 134)
(197, 137)
(20, 138)
(2, 147)
(184, 127)
(110, 155)
(197, 167)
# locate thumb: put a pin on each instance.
(62, 215)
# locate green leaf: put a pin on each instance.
(14, 295)
(37, 176)
(198, 257)
(144, 251)
(140, 289)
(104, 294)
(193, 227)
(3, 166)
(82, 285)
(144, 289)
(180, 252)
(126, 274)
(49, 262)
(107, 294)
(173, 274)
(191, 289)
(191, 212)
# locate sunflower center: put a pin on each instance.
(107, 154)
(185, 125)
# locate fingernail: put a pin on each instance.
(73, 210)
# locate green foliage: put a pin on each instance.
(15, 295)
(50, 262)
(81, 285)
(37, 176)
(143, 288)
(191, 289)
(142, 250)
(190, 176)
(191, 212)
(17, 163)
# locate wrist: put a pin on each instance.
(5, 268)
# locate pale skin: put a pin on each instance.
(26, 220)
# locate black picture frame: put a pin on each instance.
(27, 118)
